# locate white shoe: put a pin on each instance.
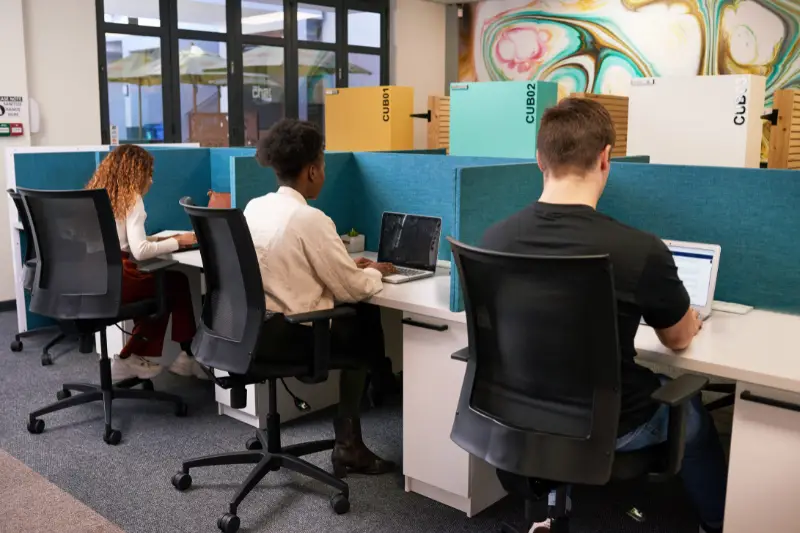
(540, 527)
(187, 366)
(134, 367)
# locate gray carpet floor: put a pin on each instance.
(130, 484)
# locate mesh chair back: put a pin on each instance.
(234, 308)
(541, 397)
(79, 262)
(29, 258)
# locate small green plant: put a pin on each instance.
(352, 233)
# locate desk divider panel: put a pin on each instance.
(338, 198)
(177, 173)
(631, 159)
(221, 162)
(407, 183)
(751, 213)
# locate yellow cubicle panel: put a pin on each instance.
(369, 119)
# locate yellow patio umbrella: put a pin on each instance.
(135, 68)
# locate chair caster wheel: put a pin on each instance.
(63, 394)
(254, 444)
(46, 359)
(16, 346)
(112, 437)
(340, 504)
(181, 410)
(181, 481)
(228, 523)
(147, 385)
(35, 426)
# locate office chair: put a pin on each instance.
(231, 338)
(28, 270)
(78, 280)
(541, 395)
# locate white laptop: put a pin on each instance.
(697, 267)
(411, 244)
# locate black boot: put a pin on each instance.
(351, 455)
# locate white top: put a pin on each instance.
(133, 239)
(304, 264)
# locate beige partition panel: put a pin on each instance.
(784, 137)
(439, 125)
(617, 106)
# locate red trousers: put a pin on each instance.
(148, 333)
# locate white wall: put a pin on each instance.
(50, 55)
(418, 54)
(13, 82)
(61, 52)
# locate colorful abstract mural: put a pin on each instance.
(599, 45)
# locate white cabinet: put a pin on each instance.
(432, 464)
(764, 472)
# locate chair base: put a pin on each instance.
(47, 359)
(105, 392)
(266, 452)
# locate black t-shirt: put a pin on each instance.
(645, 278)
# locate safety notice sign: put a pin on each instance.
(10, 107)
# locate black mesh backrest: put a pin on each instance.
(234, 307)
(544, 365)
(29, 259)
(79, 262)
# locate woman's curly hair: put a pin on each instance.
(125, 174)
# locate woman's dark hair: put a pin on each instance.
(289, 146)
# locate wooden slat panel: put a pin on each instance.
(439, 126)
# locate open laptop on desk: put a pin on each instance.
(697, 267)
(411, 244)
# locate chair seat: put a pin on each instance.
(138, 309)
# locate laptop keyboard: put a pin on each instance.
(409, 271)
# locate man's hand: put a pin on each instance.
(186, 239)
(697, 325)
(363, 262)
(384, 268)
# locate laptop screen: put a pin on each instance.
(695, 266)
(410, 241)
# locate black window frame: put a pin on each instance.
(170, 36)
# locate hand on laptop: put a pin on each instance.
(363, 262)
(698, 322)
(186, 239)
(386, 269)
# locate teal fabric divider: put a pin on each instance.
(485, 196)
(407, 183)
(177, 173)
(751, 213)
(338, 198)
(631, 159)
(433, 151)
(54, 170)
(220, 162)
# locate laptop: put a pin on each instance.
(411, 244)
(697, 267)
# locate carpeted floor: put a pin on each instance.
(130, 484)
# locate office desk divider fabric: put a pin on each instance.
(361, 186)
(751, 213)
(220, 162)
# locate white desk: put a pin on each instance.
(759, 351)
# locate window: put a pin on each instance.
(222, 72)
(135, 94)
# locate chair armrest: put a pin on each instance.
(320, 321)
(680, 390)
(151, 267)
(316, 316)
(461, 355)
(676, 394)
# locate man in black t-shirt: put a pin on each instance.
(574, 146)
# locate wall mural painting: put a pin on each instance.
(599, 45)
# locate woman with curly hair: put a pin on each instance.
(127, 174)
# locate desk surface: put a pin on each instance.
(759, 347)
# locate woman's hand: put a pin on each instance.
(363, 262)
(386, 269)
(186, 240)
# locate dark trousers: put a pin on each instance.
(148, 333)
(356, 341)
